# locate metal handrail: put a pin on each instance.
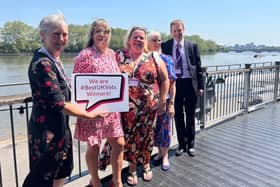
(14, 84)
(230, 96)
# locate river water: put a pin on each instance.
(14, 70)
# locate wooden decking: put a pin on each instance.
(241, 152)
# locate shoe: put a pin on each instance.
(147, 174)
(191, 152)
(165, 165)
(132, 179)
(157, 160)
(180, 151)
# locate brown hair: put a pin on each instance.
(96, 23)
(175, 22)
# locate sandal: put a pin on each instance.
(147, 174)
(132, 179)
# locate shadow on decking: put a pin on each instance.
(242, 152)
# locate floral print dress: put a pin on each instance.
(49, 135)
(162, 134)
(143, 98)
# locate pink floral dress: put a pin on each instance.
(90, 60)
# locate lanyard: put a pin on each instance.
(55, 62)
(141, 61)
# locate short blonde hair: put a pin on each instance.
(153, 34)
(150, 36)
(129, 33)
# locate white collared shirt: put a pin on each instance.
(186, 72)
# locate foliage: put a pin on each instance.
(18, 37)
(117, 38)
(77, 37)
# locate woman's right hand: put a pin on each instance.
(72, 109)
(98, 114)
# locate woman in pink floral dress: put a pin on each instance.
(148, 87)
(98, 58)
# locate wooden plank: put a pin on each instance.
(242, 152)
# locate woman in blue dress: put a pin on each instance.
(162, 133)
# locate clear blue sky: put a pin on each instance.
(227, 22)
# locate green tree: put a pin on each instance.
(77, 37)
(19, 37)
(117, 38)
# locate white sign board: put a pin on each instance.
(106, 92)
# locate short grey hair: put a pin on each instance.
(153, 34)
(51, 21)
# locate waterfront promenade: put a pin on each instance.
(244, 151)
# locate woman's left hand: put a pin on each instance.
(170, 110)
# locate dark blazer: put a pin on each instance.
(193, 60)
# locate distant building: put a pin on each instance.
(252, 47)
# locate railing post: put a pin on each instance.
(26, 101)
(276, 83)
(14, 144)
(203, 101)
(247, 78)
(1, 185)
(27, 122)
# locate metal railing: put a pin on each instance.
(229, 91)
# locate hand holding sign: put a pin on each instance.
(96, 114)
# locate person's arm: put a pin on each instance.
(199, 72)
(164, 86)
(73, 110)
(172, 92)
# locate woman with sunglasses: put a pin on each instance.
(162, 134)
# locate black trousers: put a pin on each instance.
(185, 103)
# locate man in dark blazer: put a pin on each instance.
(189, 85)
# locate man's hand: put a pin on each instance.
(200, 92)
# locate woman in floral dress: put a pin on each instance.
(49, 135)
(148, 87)
(98, 58)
